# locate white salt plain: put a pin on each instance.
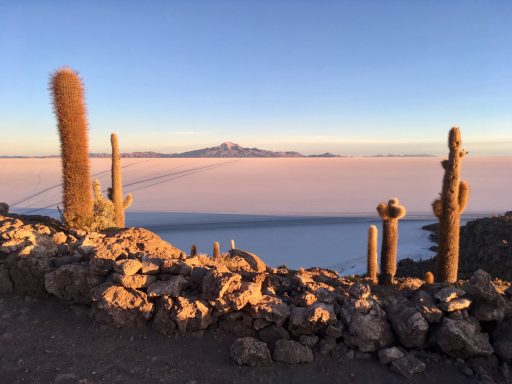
(298, 212)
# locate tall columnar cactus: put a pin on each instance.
(69, 106)
(216, 250)
(390, 214)
(373, 268)
(233, 246)
(193, 250)
(116, 192)
(448, 208)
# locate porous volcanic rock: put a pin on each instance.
(292, 352)
(70, 283)
(250, 351)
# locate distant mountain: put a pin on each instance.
(406, 155)
(229, 149)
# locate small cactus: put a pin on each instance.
(390, 214)
(216, 250)
(4, 208)
(373, 267)
(116, 192)
(193, 250)
(103, 210)
(69, 107)
(429, 278)
(448, 208)
(233, 244)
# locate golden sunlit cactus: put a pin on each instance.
(373, 267)
(448, 208)
(116, 192)
(390, 214)
(69, 107)
(429, 278)
(193, 250)
(216, 250)
(233, 244)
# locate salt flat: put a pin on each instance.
(300, 212)
(280, 186)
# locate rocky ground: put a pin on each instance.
(91, 304)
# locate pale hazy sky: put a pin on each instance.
(349, 77)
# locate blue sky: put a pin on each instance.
(350, 77)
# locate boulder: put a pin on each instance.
(251, 352)
(309, 340)
(242, 261)
(249, 293)
(388, 355)
(171, 287)
(5, 281)
(127, 267)
(218, 282)
(425, 302)
(366, 325)
(408, 323)
(270, 308)
(408, 365)
(488, 304)
(70, 283)
(447, 294)
(239, 324)
(162, 321)
(191, 314)
(292, 352)
(462, 338)
(272, 333)
(455, 305)
(28, 275)
(121, 307)
(319, 316)
(502, 341)
(134, 281)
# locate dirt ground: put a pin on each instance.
(44, 341)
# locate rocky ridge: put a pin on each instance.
(131, 278)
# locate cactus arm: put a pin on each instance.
(463, 195)
(128, 200)
(382, 209)
(437, 207)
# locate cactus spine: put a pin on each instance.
(390, 214)
(429, 278)
(448, 208)
(69, 107)
(216, 250)
(116, 192)
(373, 268)
(193, 250)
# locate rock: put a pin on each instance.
(70, 283)
(127, 267)
(462, 338)
(134, 281)
(150, 265)
(191, 314)
(270, 308)
(455, 305)
(239, 324)
(249, 293)
(163, 321)
(425, 302)
(243, 261)
(298, 324)
(292, 352)
(6, 285)
(335, 331)
(117, 243)
(272, 333)
(366, 325)
(408, 323)
(218, 282)
(388, 355)
(120, 306)
(251, 352)
(488, 304)
(327, 345)
(319, 316)
(28, 275)
(407, 365)
(502, 341)
(309, 340)
(171, 287)
(447, 294)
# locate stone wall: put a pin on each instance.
(130, 277)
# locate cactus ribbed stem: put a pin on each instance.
(69, 107)
(373, 267)
(193, 250)
(216, 250)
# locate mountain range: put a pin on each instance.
(226, 149)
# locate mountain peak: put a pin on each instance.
(229, 145)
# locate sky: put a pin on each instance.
(348, 77)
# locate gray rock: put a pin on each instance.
(309, 340)
(488, 304)
(449, 293)
(292, 352)
(388, 355)
(272, 333)
(327, 345)
(4, 208)
(462, 338)
(425, 302)
(408, 323)
(251, 352)
(218, 282)
(69, 283)
(127, 267)
(5, 281)
(408, 365)
(270, 308)
(502, 341)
